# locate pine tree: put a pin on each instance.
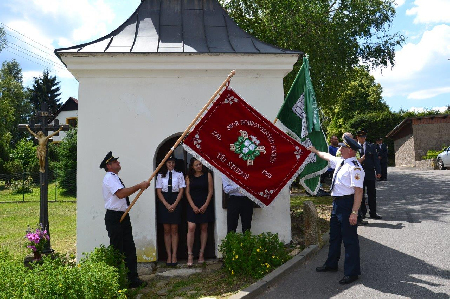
(45, 90)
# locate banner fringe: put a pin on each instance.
(312, 175)
(209, 166)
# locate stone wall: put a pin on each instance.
(404, 151)
(426, 164)
(432, 136)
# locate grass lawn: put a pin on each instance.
(16, 217)
(54, 194)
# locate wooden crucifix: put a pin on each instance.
(40, 132)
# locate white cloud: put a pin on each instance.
(76, 20)
(28, 77)
(429, 93)
(422, 109)
(412, 59)
(430, 11)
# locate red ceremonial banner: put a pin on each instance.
(233, 138)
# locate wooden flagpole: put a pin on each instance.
(179, 141)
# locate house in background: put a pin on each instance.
(413, 137)
(67, 114)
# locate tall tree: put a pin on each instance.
(45, 90)
(66, 164)
(362, 95)
(14, 108)
(337, 35)
(2, 38)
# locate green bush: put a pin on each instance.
(431, 154)
(111, 257)
(252, 255)
(22, 186)
(56, 277)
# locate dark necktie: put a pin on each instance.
(127, 198)
(170, 182)
(362, 149)
(335, 175)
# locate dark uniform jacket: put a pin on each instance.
(383, 152)
(371, 163)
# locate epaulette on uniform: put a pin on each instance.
(357, 168)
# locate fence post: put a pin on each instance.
(23, 186)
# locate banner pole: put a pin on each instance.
(179, 141)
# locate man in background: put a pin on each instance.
(371, 166)
(383, 157)
(332, 149)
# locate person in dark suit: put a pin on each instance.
(372, 170)
(383, 157)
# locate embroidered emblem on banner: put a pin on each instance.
(247, 148)
(299, 110)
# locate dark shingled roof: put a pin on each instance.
(177, 26)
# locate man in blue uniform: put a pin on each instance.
(371, 165)
(116, 199)
(332, 149)
(346, 190)
(382, 150)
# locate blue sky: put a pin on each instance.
(420, 78)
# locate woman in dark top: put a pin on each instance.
(170, 186)
(199, 191)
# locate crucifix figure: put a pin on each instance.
(41, 150)
(42, 130)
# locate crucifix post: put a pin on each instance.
(42, 136)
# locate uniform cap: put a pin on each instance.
(362, 133)
(108, 158)
(350, 143)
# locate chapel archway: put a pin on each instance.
(181, 165)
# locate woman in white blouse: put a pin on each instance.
(170, 185)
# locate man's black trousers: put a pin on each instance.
(239, 206)
(121, 238)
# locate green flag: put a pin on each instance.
(299, 116)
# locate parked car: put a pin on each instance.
(443, 159)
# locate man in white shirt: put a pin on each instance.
(116, 199)
(237, 205)
(346, 190)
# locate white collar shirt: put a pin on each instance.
(364, 146)
(230, 187)
(349, 176)
(178, 182)
(111, 184)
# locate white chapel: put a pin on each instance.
(141, 86)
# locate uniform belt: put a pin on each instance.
(343, 197)
(114, 211)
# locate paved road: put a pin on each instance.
(404, 255)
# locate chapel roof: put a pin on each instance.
(177, 26)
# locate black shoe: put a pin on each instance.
(138, 283)
(375, 216)
(326, 268)
(362, 223)
(348, 279)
